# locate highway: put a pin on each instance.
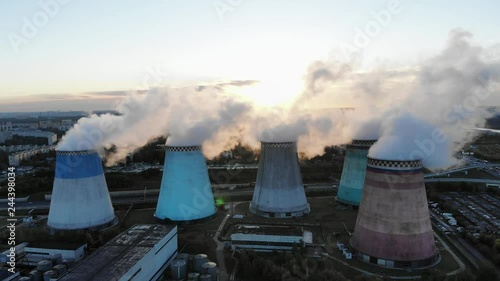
(148, 198)
(477, 258)
(477, 166)
(462, 180)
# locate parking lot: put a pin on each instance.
(481, 210)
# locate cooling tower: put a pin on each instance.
(185, 193)
(279, 191)
(393, 228)
(353, 173)
(80, 197)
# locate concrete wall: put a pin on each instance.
(80, 197)
(185, 192)
(279, 188)
(393, 221)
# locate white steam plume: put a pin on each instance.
(425, 111)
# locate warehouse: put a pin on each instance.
(142, 252)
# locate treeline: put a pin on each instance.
(286, 266)
(27, 184)
(151, 153)
(488, 245)
(296, 266)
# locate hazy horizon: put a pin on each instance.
(66, 55)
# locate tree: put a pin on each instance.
(464, 276)
(486, 273)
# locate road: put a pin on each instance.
(476, 255)
(138, 199)
(219, 252)
(463, 180)
(476, 166)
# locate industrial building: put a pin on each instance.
(51, 137)
(279, 192)
(67, 251)
(143, 252)
(5, 126)
(393, 228)
(185, 193)
(269, 238)
(16, 158)
(353, 173)
(80, 197)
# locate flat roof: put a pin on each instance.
(268, 230)
(55, 245)
(115, 258)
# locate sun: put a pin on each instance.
(271, 93)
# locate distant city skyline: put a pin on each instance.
(86, 55)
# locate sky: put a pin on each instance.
(85, 55)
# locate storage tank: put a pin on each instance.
(279, 191)
(307, 237)
(185, 193)
(36, 275)
(49, 275)
(193, 276)
(205, 277)
(185, 257)
(353, 173)
(198, 262)
(80, 197)
(69, 262)
(210, 268)
(179, 269)
(56, 258)
(60, 269)
(393, 228)
(44, 265)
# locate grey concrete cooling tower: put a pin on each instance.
(80, 197)
(279, 191)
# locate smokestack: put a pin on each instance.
(353, 173)
(80, 197)
(393, 228)
(186, 193)
(279, 191)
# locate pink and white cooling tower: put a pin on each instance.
(393, 228)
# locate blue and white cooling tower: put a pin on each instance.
(80, 197)
(185, 193)
(279, 192)
(353, 173)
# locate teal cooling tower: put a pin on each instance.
(353, 173)
(185, 193)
